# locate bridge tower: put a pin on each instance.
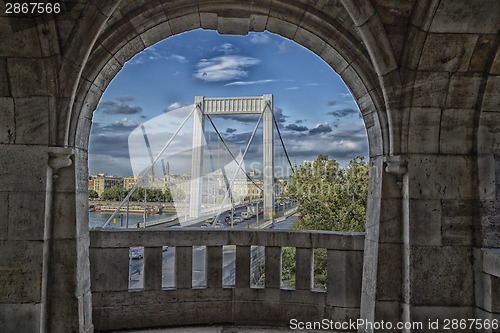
(225, 106)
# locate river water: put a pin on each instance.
(97, 219)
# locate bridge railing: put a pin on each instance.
(116, 306)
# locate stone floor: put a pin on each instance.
(216, 329)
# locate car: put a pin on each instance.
(245, 215)
(210, 220)
(238, 219)
(137, 252)
(227, 218)
(205, 225)
(219, 224)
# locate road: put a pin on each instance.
(198, 276)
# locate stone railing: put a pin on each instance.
(117, 306)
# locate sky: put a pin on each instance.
(156, 89)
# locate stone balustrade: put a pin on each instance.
(116, 306)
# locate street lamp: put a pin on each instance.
(128, 200)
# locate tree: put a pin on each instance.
(114, 193)
(178, 195)
(329, 198)
(93, 194)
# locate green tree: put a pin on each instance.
(330, 198)
(93, 194)
(114, 193)
(177, 194)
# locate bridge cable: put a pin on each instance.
(282, 143)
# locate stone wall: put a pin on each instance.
(425, 75)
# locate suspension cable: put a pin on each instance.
(240, 163)
(146, 171)
(227, 148)
(282, 143)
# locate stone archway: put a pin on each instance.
(343, 52)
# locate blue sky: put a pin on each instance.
(315, 111)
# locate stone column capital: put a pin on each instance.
(59, 158)
(396, 165)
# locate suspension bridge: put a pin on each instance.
(205, 108)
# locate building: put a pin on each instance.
(102, 181)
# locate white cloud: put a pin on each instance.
(345, 94)
(224, 68)
(226, 48)
(282, 46)
(178, 58)
(312, 84)
(174, 106)
(245, 83)
(260, 39)
(292, 88)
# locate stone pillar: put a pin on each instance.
(197, 159)
(66, 284)
(268, 164)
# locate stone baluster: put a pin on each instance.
(214, 267)
(242, 267)
(304, 269)
(153, 268)
(273, 267)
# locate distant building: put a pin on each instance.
(129, 182)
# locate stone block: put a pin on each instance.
(208, 20)
(457, 222)
(110, 269)
(20, 317)
(359, 12)
(495, 67)
(107, 73)
(23, 168)
(183, 267)
(389, 272)
(456, 134)
(27, 77)
(424, 130)
(4, 78)
(258, 22)
(7, 121)
(4, 216)
(490, 222)
(309, 40)
(412, 53)
(439, 177)
(467, 17)
(491, 261)
(489, 132)
(129, 50)
(430, 89)
(481, 54)
(422, 314)
(463, 91)
(185, 23)
(333, 58)
(19, 37)
(447, 52)
(26, 216)
(344, 278)
(491, 97)
(441, 276)
(354, 82)
(21, 274)
(281, 28)
(425, 222)
(390, 221)
(32, 120)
